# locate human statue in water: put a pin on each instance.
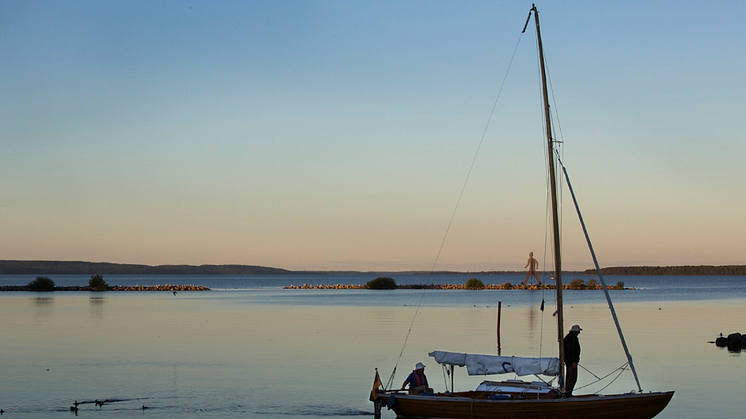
(532, 266)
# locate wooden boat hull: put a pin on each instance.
(621, 406)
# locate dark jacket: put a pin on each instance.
(572, 348)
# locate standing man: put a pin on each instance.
(572, 357)
(532, 266)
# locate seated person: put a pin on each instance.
(417, 380)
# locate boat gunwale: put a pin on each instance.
(578, 398)
(592, 406)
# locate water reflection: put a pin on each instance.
(96, 307)
(43, 307)
(96, 300)
(43, 301)
(531, 318)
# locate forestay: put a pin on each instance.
(477, 364)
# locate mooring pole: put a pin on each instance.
(499, 309)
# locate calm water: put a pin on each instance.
(250, 349)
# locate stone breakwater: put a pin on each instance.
(445, 287)
(165, 287)
(325, 287)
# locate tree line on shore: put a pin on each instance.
(703, 270)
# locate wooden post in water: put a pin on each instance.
(499, 308)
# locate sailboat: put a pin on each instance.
(518, 399)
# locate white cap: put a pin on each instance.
(419, 366)
(575, 328)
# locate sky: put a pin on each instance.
(360, 135)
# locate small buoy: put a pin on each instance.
(73, 408)
(144, 407)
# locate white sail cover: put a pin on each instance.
(492, 364)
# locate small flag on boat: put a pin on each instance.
(376, 385)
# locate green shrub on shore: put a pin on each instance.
(382, 283)
(41, 283)
(474, 284)
(507, 286)
(620, 285)
(97, 283)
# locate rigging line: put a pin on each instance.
(589, 371)
(601, 278)
(547, 218)
(558, 124)
(476, 154)
(541, 325)
(557, 150)
(409, 332)
(556, 143)
(621, 370)
(612, 381)
(556, 132)
(544, 262)
(547, 205)
(461, 194)
(445, 378)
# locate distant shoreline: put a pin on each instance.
(43, 267)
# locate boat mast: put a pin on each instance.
(555, 216)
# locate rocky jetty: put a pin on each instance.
(165, 287)
(505, 286)
(325, 287)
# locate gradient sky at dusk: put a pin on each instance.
(337, 135)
